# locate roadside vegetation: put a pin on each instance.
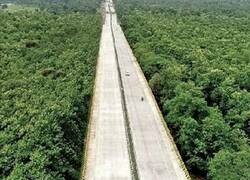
(196, 57)
(47, 63)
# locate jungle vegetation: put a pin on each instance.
(196, 57)
(47, 67)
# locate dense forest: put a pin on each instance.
(196, 57)
(47, 64)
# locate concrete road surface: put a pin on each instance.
(155, 153)
(107, 149)
(128, 138)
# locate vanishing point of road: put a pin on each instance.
(127, 136)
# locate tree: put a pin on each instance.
(230, 165)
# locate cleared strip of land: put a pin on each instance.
(107, 150)
(127, 131)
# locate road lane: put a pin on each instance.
(156, 155)
(107, 149)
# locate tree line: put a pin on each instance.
(60, 6)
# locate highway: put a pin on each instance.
(128, 138)
(107, 155)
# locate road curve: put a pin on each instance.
(128, 138)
